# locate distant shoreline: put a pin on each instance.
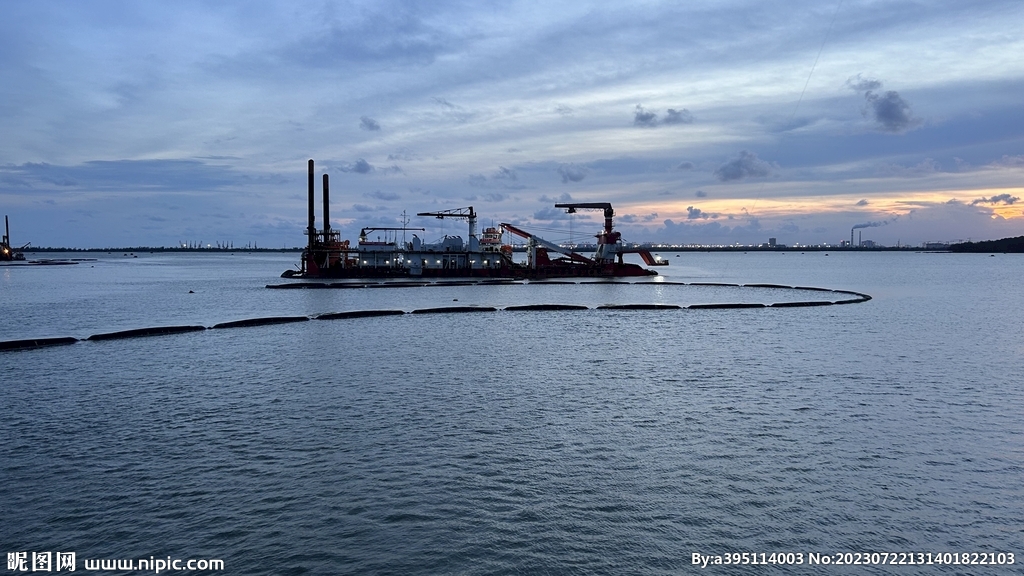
(522, 249)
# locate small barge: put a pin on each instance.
(479, 256)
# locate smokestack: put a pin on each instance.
(327, 207)
(7, 231)
(860, 238)
(851, 230)
(311, 229)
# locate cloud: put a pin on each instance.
(386, 196)
(858, 84)
(998, 199)
(678, 117)
(644, 118)
(362, 208)
(863, 202)
(700, 194)
(496, 197)
(505, 174)
(647, 119)
(360, 166)
(549, 214)
(889, 110)
(561, 198)
(367, 123)
(134, 175)
(925, 167)
(698, 214)
(563, 110)
(572, 173)
(746, 165)
(685, 165)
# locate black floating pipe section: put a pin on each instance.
(552, 282)
(311, 228)
(545, 307)
(854, 301)
(261, 321)
(799, 304)
(35, 343)
(639, 307)
(345, 285)
(358, 314)
(157, 331)
(767, 286)
(813, 288)
(712, 284)
(451, 309)
(327, 206)
(722, 306)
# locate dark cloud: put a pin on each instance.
(496, 197)
(859, 84)
(505, 174)
(403, 154)
(561, 198)
(889, 110)
(477, 180)
(678, 117)
(563, 110)
(647, 119)
(998, 199)
(445, 103)
(549, 214)
(362, 208)
(685, 165)
(862, 203)
(700, 194)
(360, 166)
(644, 118)
(746, 165)
(572, 173)
(386, 196)
(698, 214)
(367, 123)
(134, 175)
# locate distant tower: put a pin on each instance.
(771, 242)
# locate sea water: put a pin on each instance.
(570, 442)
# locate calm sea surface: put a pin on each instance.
(573, 442)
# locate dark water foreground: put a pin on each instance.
(555, 442)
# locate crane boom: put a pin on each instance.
(467, 213)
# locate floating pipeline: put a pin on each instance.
(358, 314)
(545, 307)
(261, 321)
(454, 309)
(166, 330)
(35, 343)
(723, 306)
(799, 304)
(158, 331)
(639, 307)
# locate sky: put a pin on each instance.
(702, 122)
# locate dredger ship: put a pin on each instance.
(480, 256)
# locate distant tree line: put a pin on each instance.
(1004, 245)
